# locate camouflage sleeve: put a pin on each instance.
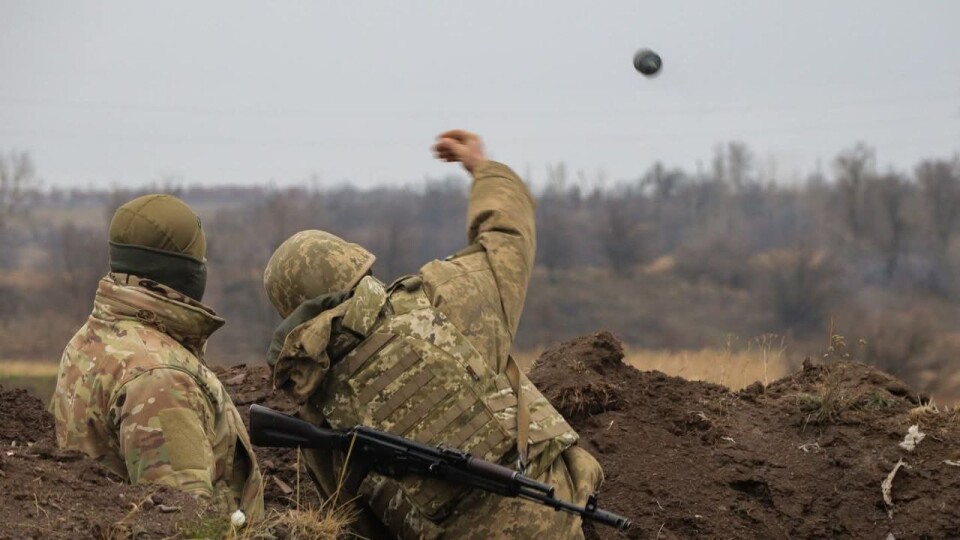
(164, 418)
(500, 217)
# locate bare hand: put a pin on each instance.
(461, 146)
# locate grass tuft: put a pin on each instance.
(327, 521)
(830, 400)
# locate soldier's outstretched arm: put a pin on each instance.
(500, 218)
(164, 418)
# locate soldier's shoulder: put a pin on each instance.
(169, 379)
(107, 345)
(139, 348)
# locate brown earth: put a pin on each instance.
(801, 458)
(253, 384)
(59, 494)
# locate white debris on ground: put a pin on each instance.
(886, 487)
(912, 438)
(238, 518)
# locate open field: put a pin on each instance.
(734, 369)
(37, 377)
(764, 361)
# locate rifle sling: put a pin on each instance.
(523, 413)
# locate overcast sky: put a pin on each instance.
(113, 92)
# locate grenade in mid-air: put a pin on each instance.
(647, 62)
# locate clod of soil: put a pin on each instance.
(574, 376)
(60, 494)
(802, 458)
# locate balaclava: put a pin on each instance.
(159, 237)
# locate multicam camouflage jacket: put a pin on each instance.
(133, 393)
(432, 362)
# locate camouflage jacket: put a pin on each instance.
(468, 305)
(480, 289)
(133, 392)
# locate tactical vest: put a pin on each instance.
(416, 375)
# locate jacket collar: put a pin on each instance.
(128, 297)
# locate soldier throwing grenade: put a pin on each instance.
(428, 358)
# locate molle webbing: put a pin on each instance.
(417, 376)
(417, 413)
(403, 395)
(376, 385)
(365, 351)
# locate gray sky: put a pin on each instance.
(114, 92)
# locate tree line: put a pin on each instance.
(859, 242)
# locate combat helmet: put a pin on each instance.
(313, 263)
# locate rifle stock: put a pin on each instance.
(274, 429)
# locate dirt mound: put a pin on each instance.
(802, 458)
(254, 384)
(23, 417)
(594, 389)
(53, 493)
(59, 494)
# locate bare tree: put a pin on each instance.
(799, 287)
(396, 255)
(17, 179)
(663, 183)
(623, 236)
(739, 164)
(854, 167)
(940, 181)
(890, 194)
(733, 163)
(553, 222)
(82, 255)
(719, 164)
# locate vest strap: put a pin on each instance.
(523, 414)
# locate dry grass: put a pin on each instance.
(733, 369)
(763, 359)
(27, 368)
(328, 521)
(35, 376)
(831, 399)
(593, 398)
(321, 523)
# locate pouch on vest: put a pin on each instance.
(416, 375)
